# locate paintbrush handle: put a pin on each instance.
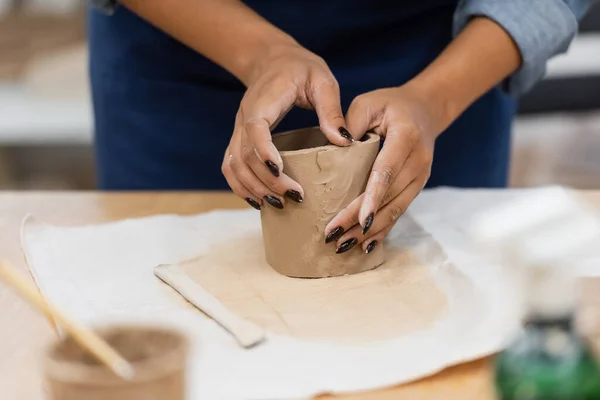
(87, 338)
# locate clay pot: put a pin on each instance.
(331, 176)
(158, 356)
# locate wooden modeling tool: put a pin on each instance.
(246, 333)
(85, 337)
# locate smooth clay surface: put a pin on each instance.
(331, 176)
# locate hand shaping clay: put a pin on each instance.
(331, 176)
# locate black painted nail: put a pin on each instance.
(345, 134)
(365, 137)
(253, 203)
(371, 246)
(368, 223)
(294, 195)
(272, 167)
(274, 201)
(347, 245)
(334, 234)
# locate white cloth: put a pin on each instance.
(76, 269)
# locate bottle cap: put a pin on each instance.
(550, 291)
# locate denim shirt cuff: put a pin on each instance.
(540, 29)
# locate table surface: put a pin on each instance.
(24, 333)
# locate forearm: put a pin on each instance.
(479, 58)
(225, 31)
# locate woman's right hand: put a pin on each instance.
(288, 76)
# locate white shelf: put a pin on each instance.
(582, 59)
(25, 119)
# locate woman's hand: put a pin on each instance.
(410, 118)
(289, 76)
(278, 74)
(409, 122)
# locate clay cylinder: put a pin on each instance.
(331, 176)
(158, 356)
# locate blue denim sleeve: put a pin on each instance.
(540, 28)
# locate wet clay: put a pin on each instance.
(331, 176)
(399, 298)
(157, 355)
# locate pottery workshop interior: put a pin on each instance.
(299, 199)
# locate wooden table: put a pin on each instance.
(24, 333)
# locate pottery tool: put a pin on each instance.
(246, 333)
(85, 337)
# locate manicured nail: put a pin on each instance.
(371, 246)
(347, 245)
(274, 201)
(345, 134)
(368, 223)
(253, 203)
(334, 234)
(364, 138)
(272, 167)
(294, 195)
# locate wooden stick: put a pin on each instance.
(245, 332)
(87, 338)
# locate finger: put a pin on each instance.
(282, 185)
(252, 183)
(247, 177)
(343, 221)
(368, 245)
(388, 164)
(325, 98)
(364, 114)
(348, 217)
(260, 114)
(385, 220)
(238, 188)
(259, 134)
(412, 168)
(387, 215)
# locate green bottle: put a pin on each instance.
(537, 238)
(548, 360)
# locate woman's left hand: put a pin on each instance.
(406, 118)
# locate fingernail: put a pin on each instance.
(253, 203)
(334, 234)
(345, 134)
(294, 195)
(347, 245)
(272, 167)
(368, 223)
(364, 138)
(371, 246)
(274, 201)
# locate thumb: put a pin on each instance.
(364, 114)
(327, 104)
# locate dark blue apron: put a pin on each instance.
(164, 114)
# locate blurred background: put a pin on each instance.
(46, 116)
